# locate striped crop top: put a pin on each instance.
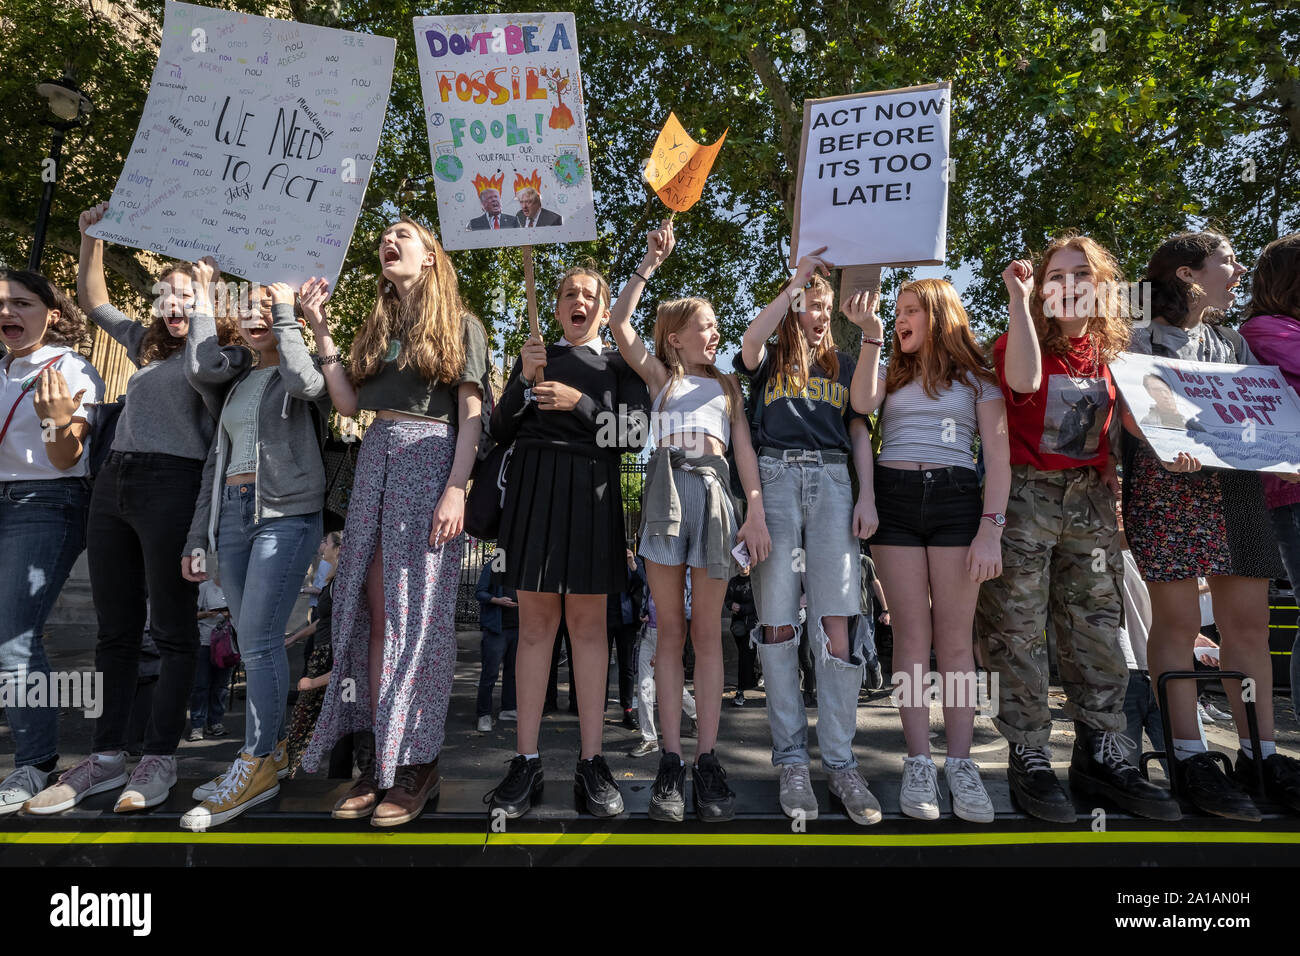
(697, 403)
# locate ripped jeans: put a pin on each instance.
(809, 511)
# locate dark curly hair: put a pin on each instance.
(1275, 286)
(70, 327)
(1171, 297)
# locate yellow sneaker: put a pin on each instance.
(280, 757)
(251, 780)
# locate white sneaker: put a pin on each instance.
(919, 796)
(510, 716)
(797, 795)
(970, 801)
(150, 783)
(19, 787)
(88, 777)
(485, 724)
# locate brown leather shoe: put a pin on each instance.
(360, 800)
(412, 788)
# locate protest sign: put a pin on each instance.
(1229, 416)
(507, 130)
(679, 166)
(873, 178)
(255, 145)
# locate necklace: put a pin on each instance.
(1088, 357)
(394, 350)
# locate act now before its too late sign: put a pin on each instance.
(255, 145)
(873, 177)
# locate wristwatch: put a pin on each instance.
(997, 517)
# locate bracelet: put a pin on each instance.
(637, 273)
(869, 341)
(330, 359)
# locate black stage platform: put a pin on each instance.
(295, 829)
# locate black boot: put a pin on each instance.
(1208, 788)
(1281, 778)
(1035, 787)
(1114, 778)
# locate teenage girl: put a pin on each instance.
(140, 510)
(419, 362)
(806, 428)
(1184, 522)
(46, 389)
(689, 519)
(1273, 333)
(562, 526)
(1065, 325)
(260, 505)
(939, 536)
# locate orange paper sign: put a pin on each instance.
(678, 165)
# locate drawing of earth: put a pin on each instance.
(448, 168)
(569, 168)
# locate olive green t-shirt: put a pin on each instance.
(405, 390)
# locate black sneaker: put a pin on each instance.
(1208, 788)
(594, 785)
(668, 795)
(1035, 787)
(739, 699)
(714, 800)
(1281, 778)
(516, 793)
(1114, 778)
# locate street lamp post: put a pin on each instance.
(70, 108)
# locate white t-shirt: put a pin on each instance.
(917, 428)
(211, 597)
(1137, 615)
(22, 453)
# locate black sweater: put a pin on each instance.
(610, 417)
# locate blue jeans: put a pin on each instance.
(261, 568)
(210, 696)
(498, 649)
(809, 511)
(43, 527)
(1286, 525)
(1141, 713)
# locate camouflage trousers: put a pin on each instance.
(1060, 557)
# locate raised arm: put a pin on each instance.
(1024, 359)
(753, 344)
(302, 379)
(210, 366)
(343, 393)
(867, 390)
(92, 290)
(652, 371)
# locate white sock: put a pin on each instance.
(1266, 748)
(529, 756)
(681, 760)
(1187, 748)
(108, 758)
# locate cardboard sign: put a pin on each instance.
(679, 166)
(873, 178)
(255, 145)
(1229, 416)
(507, 130)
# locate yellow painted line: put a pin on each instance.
(651, 839)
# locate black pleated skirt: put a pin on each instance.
(562, 523)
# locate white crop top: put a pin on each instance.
(697, 404)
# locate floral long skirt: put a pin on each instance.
(402, 470)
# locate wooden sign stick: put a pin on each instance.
(530, 288)
(855, 279)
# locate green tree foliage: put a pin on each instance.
(1128, 121)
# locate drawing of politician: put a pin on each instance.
(489, 197)
(531, 212)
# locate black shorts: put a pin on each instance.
(939, 507)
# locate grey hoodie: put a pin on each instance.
(290, 472)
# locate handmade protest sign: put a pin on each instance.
(679, 166)
(507, 130)
(255, 145)
(1229, 416)
(873, 178)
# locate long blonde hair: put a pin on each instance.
(1110, 329)
(790, 356)
(429, 321)
(949, 352)
(672, 318)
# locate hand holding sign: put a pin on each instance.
(206, 273)
(659, 244)
(533, 355)
(1183, 464)
(312, 296)
(860, 309)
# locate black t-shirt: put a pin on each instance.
(815, 417)
(401, 388)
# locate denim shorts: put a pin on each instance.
(937, 508)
